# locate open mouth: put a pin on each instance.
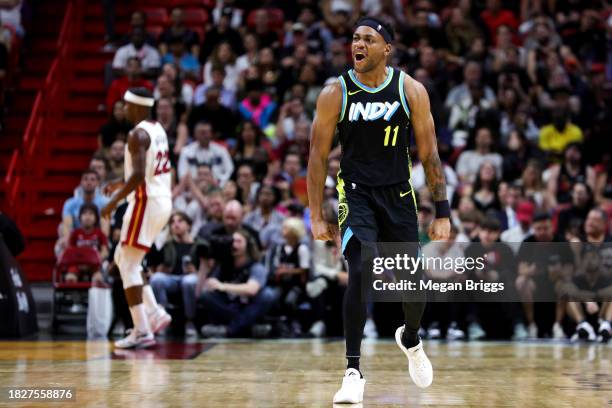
(359, 56)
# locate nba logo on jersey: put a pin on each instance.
(372, 110)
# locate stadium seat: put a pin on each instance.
(200, 31)
(192, 3)
(156, 31)
(156, 16)
(195, 17)
(275, 15)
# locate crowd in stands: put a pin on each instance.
(520, 93)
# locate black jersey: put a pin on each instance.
(374, 131)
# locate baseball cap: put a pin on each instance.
(525, 211)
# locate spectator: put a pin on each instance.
(494, 16)
(166, 88)
(603, 185)
(148, 55)
(265, 218)
(288, 264)
(464, 115)
(258, 106)
(267, 37)
(561, 177)
(204, 151)
(222, 119)
(290, 114)
(99, 164)
(117, 128)
(586, 286)
(233, 220)
(540, 265)
(525, 211)
(183, 90)
(227, 97)
(247, 185)
(89, 235)
(235, 297)
(470, 161)
(485, 189)
(555, 137)
(179, 31)
(251, 53)
(517, 154)
(223, 55)
(570, 224)
(224, 30)
(116, 158)
(178, 54)
(70, 212)
(138, 20)
(251, 144)
(472, 75)
(508, 196)
(177, 272)
(131, 79)
(532, 184)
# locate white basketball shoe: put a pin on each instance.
(159, 320)
(352, 388)
(136, 340)
(419, 366)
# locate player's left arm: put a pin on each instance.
(427, 147)
(138, 144)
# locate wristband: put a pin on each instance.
(442, 209)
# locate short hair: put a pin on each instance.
(183, 216)
(295, 226)
(90, 207)
(541, 216)
(491, 224)
(90, 171)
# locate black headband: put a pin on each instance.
(377, 26)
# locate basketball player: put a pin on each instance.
(148, 191)
(372, 106)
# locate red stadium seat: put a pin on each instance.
(276, 18)
(79, 256)
(201, 32)
(195, 17)
(190, 3)
(156, 31)
(156, 16)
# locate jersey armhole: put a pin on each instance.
(344, 98)
(402, 94)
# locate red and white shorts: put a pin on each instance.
(144, 219)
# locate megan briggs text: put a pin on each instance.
(468, 286)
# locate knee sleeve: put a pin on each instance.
(128, 261)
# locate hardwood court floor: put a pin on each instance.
(307, 373)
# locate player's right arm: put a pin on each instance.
(138, 144)
(327, 113)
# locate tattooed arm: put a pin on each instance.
(425, 134)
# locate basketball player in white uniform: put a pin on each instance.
(148, 191)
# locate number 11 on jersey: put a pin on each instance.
(388, 133)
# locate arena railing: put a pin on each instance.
(28, 161)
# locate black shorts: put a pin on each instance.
(377, 214)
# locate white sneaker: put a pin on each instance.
(520, 332)
(585, 331)
(454, 332)
(136, 340)
(352, 388)
(475, 331)
(605, 331)
(532, 331)
(419, 365)
(317, 329)
(369, 331)
(159, 320)
(558, 332)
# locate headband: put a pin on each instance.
(137, 99)
(379, 28)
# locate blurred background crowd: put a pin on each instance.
(520, 93)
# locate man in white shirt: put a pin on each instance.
(148, 56)
(204, 151)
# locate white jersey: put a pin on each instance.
(157, 182)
